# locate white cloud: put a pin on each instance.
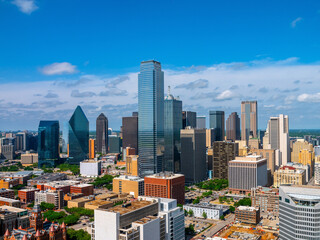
(309, 97)
(225, 95)
(294, 22)
(25, 6)
(59, 69)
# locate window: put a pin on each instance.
(287, 200)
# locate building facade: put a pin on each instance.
(216, 122)
(90, 168)
(249, 215)
(289, 175)
(128, 184)
(249, 119)
(233, 127)
(130, 132)
(102, 134)
(201, 122)
(266, 199)
(189, 119)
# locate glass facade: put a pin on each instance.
(150, 121)
(172, 127)
(48, 143)
(78, 137)
(217, 123)
(102, 134)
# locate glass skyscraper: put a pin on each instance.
(78, 137)
(48, 143)
(172, 127)
(150, 121)
(216, 119)
(102, 134)
(249, 119)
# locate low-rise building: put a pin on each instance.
(90, 168)
(289, 175)
(27, 195)
(98, 204)
(8, 183)
(9, 202)
(128, 184)
(63, 186)
(266, 199)
(29, 158)
(80, 202)
(211, 211)
(249, 215)
(50, 196)
(7, 193)
(12, 217)
(85, 189)
(47, 178)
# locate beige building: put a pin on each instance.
(297, 146)
(132, 165)
(242, 148)
(269, 154)
(307, 157)
(95, 204)
(128, 184)
(254, 143)
(29, 158)
(209, 137)
(12, 217)
(79, 202)
(289, 175)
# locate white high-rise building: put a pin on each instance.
(317, 173)
(277, 137)
(299, 209)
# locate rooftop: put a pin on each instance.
(249, 159)
(12, 209)
(99, 202)
(246, 208)
(130, 207)
(130, 178)
(165, 175)
(90, 161)
(2, 199)
(305, 190)
(83, 185)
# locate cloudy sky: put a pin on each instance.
(55, 55)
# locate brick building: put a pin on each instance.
(85, 189)
(267, 199)
(9, 202)
(250, 215)
(27, 195)
(7, 193)
(165, 185)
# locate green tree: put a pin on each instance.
(204, 215)
(222, 217)
(185, 212)
(232, 209)
(243, 202)
(196, 201)
(77, 234)
(190, 213)
(46, 206)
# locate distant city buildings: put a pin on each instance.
(249, 119)
(189, 119)
(289, 175)
(216, 122)
(48, 143)
(78, 137)
(130, 133)
(102, 134)
(201, 122)
(233, 127)
(193, 155)
(151, 119)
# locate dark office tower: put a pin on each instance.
(48, 143)
(150, 104)
(19, 142)
(193, 155)
(130, 133)
(216, 119)
(172, 127)
(114, 144)
(78, 137)
(223, 152)
(189, 119)
(249, 119)
(102, 134)
(32, 142)
(233, 127)
(135, 114)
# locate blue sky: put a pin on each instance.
(57, 54)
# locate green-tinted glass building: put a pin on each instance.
(78, 137)
(48, 143)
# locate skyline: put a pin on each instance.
(213, 56)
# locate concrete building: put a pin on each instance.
(144, 219)
(128, 184)
(165, 185)
(90, 168)
(266, 199)
(249, 215)
(223, 152)
(306, 157)
(302, 167)
(212, 211)
(299, 212)
(201, 122)
(247, 172)
(249, 119)
(63, 186)
(317, 173)
(233, 127)
(289, 175)
(80, 202)
(269, 154)
(7, 152)
(12, 217)
(29, 158)
(277, 137)
(50, 196)
(132, 165)
(114, 144)
(9, 202)
(193, 155)
(297, 146)
(95, 204)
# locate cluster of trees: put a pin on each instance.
(243, 202)
(80, 211)
(75, 169)
(46, 206)
(213, 184)
(104, 181)
(61, 217)
(13, 168)
(190, 230)
(188, 213)
(77, 234)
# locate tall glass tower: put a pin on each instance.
(102, 134)
(48, 143)
(78, 137)
(216, 119)
(172, 127)
(150, 121)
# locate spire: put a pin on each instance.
(38, 234)
(63, 225)
(7, 234)
(20, 227)
(52, 228)
(25, 237)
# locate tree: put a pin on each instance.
(232, 209)
(46, 206)
(190, 213)
(77, 234)
(196, 201)
(185, 212)
(243, 202)
(222, 217)
(204, 215)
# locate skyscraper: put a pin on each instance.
(48, 143)
(189, 119)
(193, 155)
(249, 119)
(216, 119)
(130, 132)
(201, 122)
(151, 121)
(172, 127)
(102, 134)
(277, 137)
(78, 137)
(233, 127)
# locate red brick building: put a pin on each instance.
(27, 195)
(6, 193)
(165, 185)
(85, 189)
